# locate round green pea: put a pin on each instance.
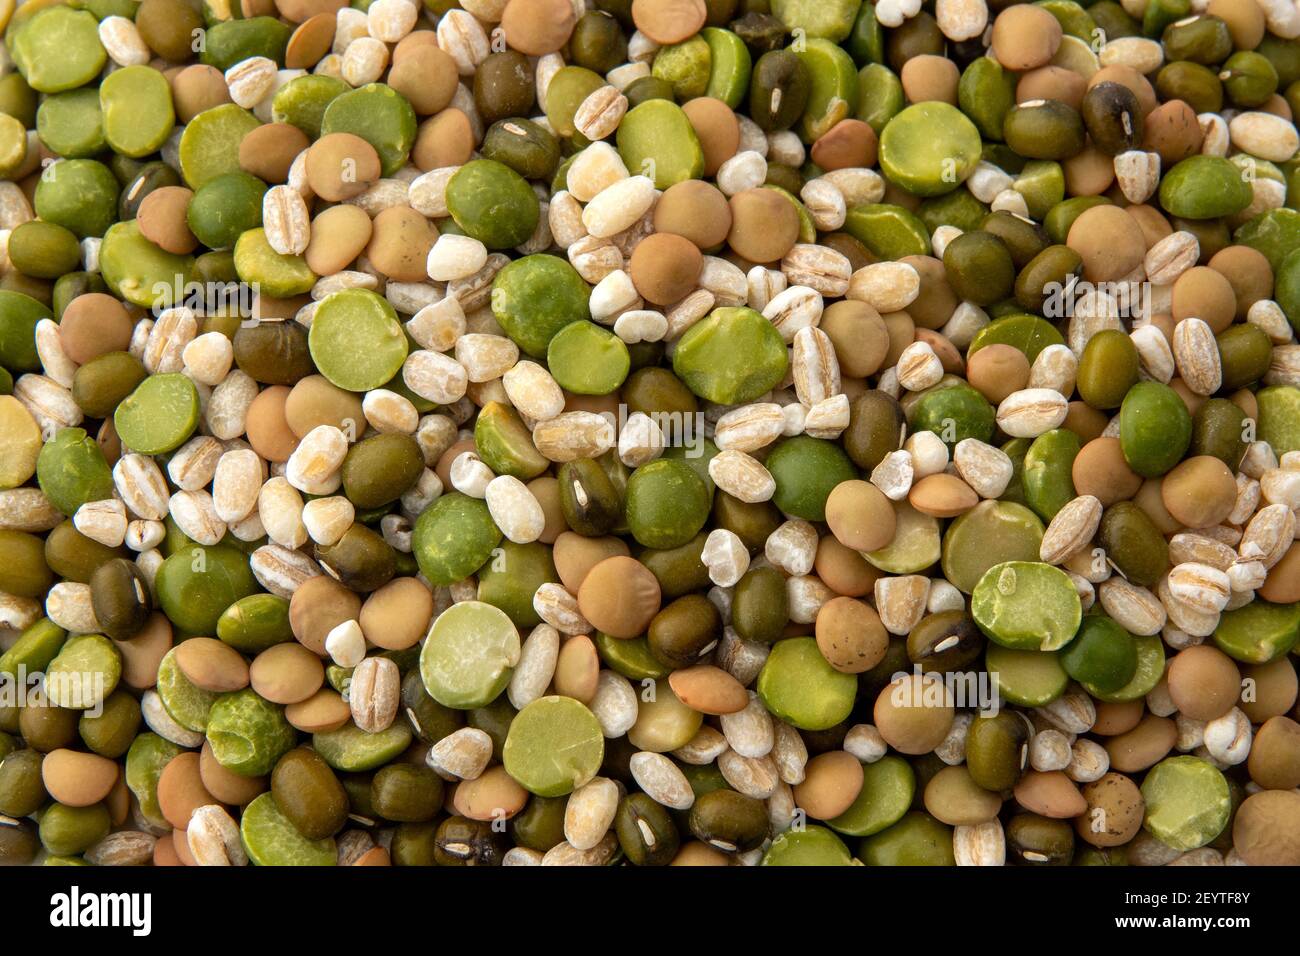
(732, 356)
(160, 415)
(888, 231)
(248, 734)
(492, 203)
(929, 148)
(656, 139)
(667, 503)
(279, 275)
(58, 49)
(587, 360)
(352, 750)
(254, 623)
(71, 470)
(270, 839)
(800, 687)
(84, 672)
(140, 272)
(1048, 471)
(1102, 654)
(378, 114)
(554, 746)
(953, 412)
(1026, 605)
(136, 103)
(1027, 678)
(356, 340)
(830, 19)
(988, 534)
(505, 444)
(469, 656)
(196, 584)
(880, 95)
(685, 67)
(79, 194)
(209, 145)
(533, 298)
(513, 577)
(453, 538)
(1187, 802)
(34, 649)
(888, 786)
(812, 846)
(806, 470)
(148, 755)
(834, 87)
(1276, 234)
(1258, 632)
(1029, 333)
(1155, 428)
(730, 64)
(224, 208)
(187, 704)
(1204, 187)
(302, 101)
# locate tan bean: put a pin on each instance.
(708, 689)
(78, 779)
(1143, 746)
(162, 219)
(1203, 682)
(286, 673)
(577, 668)
(225, 785)
(1114, 811)
(212, 665)
(669, 21)
(850, 635)
(322, 712)
(1051, 794)
(493, 795)
(340, 166)
(142, 654)
(317, 607)
(954, 798)
(832, 781)
(338, 236)
(914, 713)
(397, 615)
(181, 790)
(619, 596)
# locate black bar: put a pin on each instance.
(518, 903)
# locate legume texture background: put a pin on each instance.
(648, 432)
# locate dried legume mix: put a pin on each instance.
(658, 432)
